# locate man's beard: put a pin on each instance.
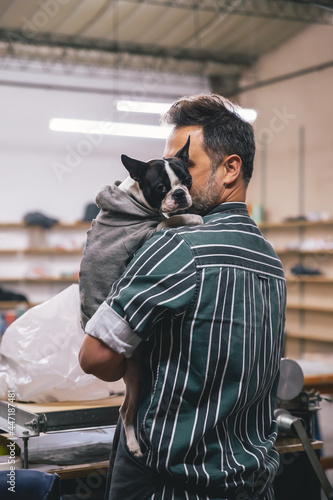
(206, 197)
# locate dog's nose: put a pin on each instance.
(179, 194)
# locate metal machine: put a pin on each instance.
(295, 414)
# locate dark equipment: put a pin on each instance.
(295, 415)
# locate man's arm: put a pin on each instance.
(160, 277)
(98, 359)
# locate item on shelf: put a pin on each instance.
(37, 272)
(301, 269)
(317, 216)
(74, 275)
(67, 241)
(91, 212)
(295, 218)
(39, 219)
(20, 309)
(314, 244)
(3, 324)
(310, 245)
(8, 295)
(257, 213)
(310, 217)
(8, 317)
(67, 245)
(292, 245)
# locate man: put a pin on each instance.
(208, 302)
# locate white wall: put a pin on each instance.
(304, 103)
(30, 153)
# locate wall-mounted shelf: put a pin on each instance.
(294, 224)
(309, 308)
(291, 251)
(60, 279)
(291, 279)
(40, 262)
(59, 225)
(42, 251)
(12, 305)
(301, 334)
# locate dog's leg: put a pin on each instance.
(180, 220)
(128, 408)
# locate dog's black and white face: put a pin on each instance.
(164, 183)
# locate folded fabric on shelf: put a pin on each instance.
(91, 212)
(39, 219)
(301, 269)
(8, 295)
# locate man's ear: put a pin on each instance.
(233, 166)
(136, 168)
(183, 153)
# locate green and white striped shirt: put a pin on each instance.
(209, 303)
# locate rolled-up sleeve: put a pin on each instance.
(107, 326)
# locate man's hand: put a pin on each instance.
(98, 359)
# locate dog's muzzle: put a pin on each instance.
(179, 199)
(179, 196)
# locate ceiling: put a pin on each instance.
(216, 38)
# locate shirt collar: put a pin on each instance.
(233, 206)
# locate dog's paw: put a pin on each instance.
(192, 219)
(181, 220)
(138, 453)
(135, 450)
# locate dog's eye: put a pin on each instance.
(188, 181)
(161, 188)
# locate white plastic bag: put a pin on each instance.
(39, 354)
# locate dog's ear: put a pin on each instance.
(136, 168)
(183, 152)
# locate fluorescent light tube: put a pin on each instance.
(109, 128)
(247, 114)
(142, 106)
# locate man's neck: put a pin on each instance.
(234, 194)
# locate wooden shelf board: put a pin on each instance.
(306, 335)
(86, 225)
(309, 279)
(76, 225)
(60, 225)
(287, 251)
(294, 445)
(64, 279)
(304, 307)
(12, 225)
(12, 304)
(81, 470)
(41, 251)
(320, 382)
(295, 224)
